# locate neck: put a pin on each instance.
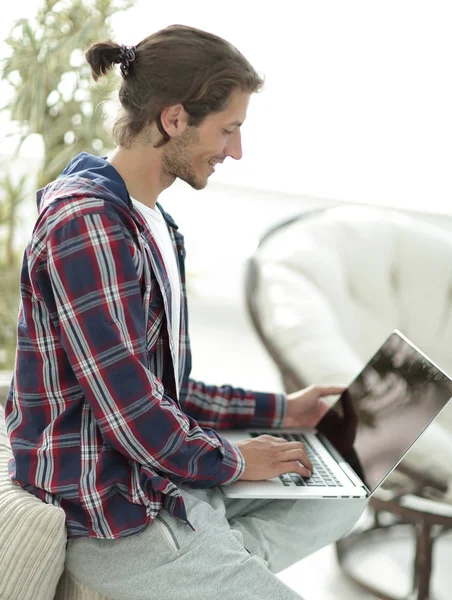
(140, 167)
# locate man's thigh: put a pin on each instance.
(169, 560)
(282, 532)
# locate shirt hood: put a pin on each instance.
(88, 174)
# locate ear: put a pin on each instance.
(174, 120)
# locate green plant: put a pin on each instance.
(53, 93)
(52, 96)
(11, 196)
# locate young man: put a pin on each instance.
(103, 417)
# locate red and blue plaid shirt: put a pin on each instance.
(93, 416)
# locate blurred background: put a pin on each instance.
(356, 109)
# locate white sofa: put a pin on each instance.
(329, 287)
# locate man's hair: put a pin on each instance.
(178, 64)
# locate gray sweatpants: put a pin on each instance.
(237, 547)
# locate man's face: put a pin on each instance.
(193, 155)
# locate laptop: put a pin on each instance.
(365, 433)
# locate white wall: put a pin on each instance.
(357, 101)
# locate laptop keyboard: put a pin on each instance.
(322, 476)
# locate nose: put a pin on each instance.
(234, 146)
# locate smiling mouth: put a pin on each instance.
(212, 164)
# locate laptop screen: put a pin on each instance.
(386, 408)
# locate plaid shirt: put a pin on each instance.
(93, 416)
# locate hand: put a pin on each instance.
(306, 407)
(267, 456)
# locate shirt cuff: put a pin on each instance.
(231, 451)
(270, 410)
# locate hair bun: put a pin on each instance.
(102, 56)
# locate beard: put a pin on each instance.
(176, 160)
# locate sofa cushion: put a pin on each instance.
(32, 537)
(333, 285)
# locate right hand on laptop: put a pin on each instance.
(267, 456)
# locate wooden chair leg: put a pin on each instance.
(423, 561)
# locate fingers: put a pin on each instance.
(291, 451)
(297, 454)
(330, 390)
(293, 467)
(292, 458)
(280, 440)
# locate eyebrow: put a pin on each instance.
(238, 123)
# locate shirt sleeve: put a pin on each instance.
(227, 407)
(92, 265)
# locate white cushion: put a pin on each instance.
(32, 537)
(343, 279)
(334, 285)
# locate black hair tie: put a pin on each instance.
(127, 54)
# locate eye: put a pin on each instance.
(227, 132)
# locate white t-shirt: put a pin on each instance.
(159, 228)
